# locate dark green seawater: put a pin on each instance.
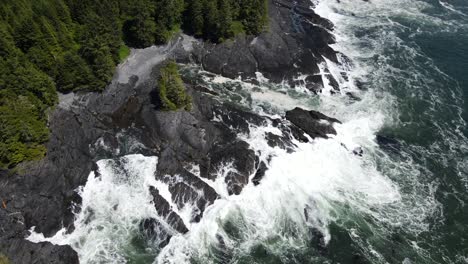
(421, 59)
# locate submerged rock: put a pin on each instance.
(358, 151)
(155, 231)
(161, 231)
(388, 143)
(188, 189)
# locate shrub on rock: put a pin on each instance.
(172, 92)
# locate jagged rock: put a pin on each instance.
(314, 83)
(333, 82)
(162, 232)
(242, 159)
(204, 90)
(314, 123)
(187, 188)
(156, 232)
(165, 211)
(18, 250)
(259, 174)
(358, 151)
(22, 251)
(231, 57)
(277, 141)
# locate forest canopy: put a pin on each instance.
(71, 45)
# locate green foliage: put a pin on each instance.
(140, 27)
(168, 19)
(218, 20)
(124, 52)
(74, 73)
(22, 129)
(253, 15)
(172, 89)
(237, 28)
(195, 17)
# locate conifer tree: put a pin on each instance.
(139, 31)
(225, 19)
(195, 17)
(211, 25)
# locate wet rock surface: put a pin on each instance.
(125, 119)
(13, 228)
(314, 123)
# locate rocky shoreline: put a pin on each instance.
(92, 126)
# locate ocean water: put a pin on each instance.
(404, 201)
(417, 54)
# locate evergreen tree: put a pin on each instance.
(74, 73)
(225, 20)
(7, 46)
(103, 65)
(253, 14)
(139, 30)
(195, 19)
(211, 25)
(26, 34)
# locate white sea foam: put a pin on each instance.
(114, 201)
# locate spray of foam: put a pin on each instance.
(115, 199)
